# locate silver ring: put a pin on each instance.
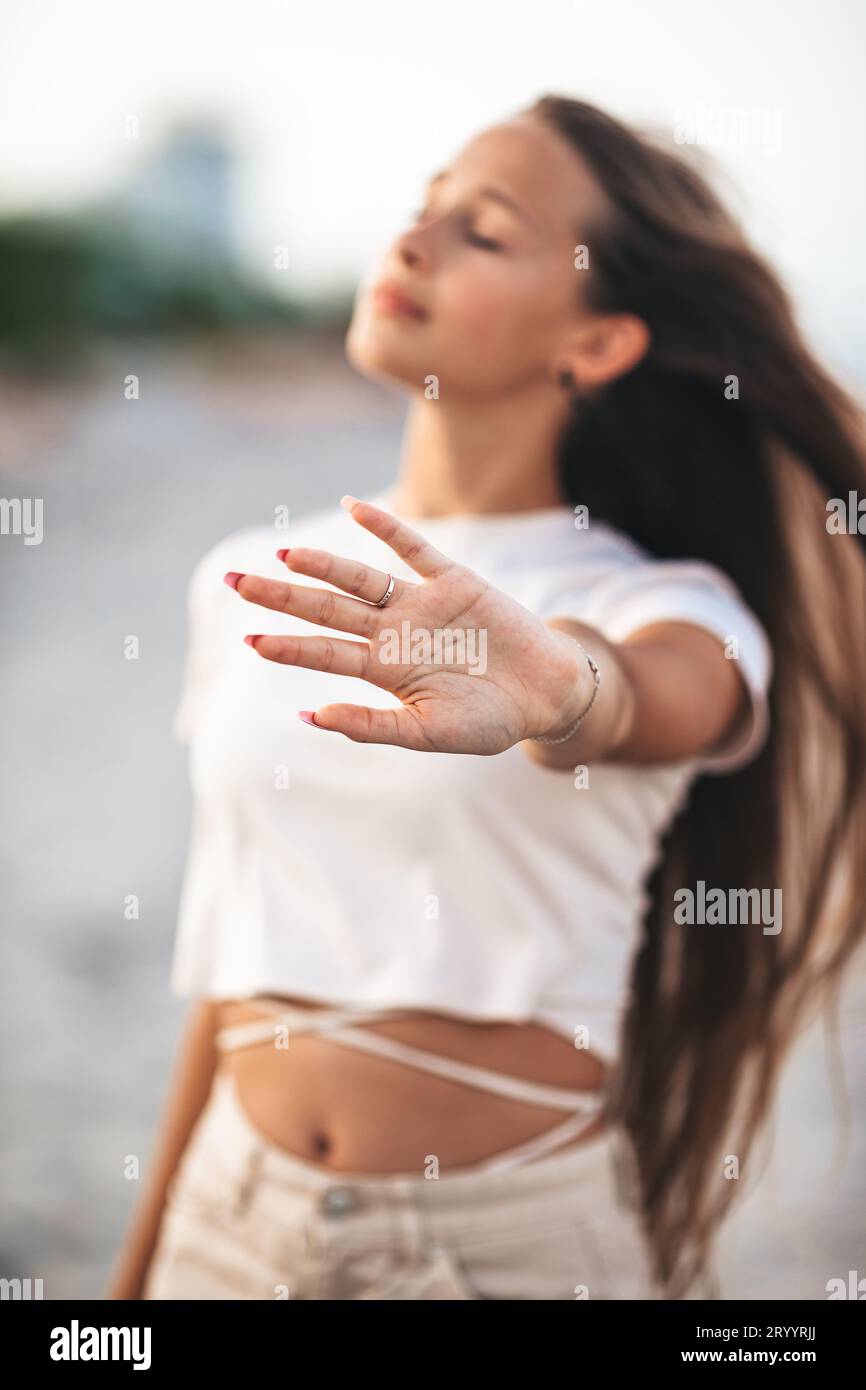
(380, 603)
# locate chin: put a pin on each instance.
(381, 356)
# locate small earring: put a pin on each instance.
(568, 383)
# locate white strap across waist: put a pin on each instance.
(330, 1021)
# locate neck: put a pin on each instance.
(462, 458)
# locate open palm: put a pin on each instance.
(476, 672)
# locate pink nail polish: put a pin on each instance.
(281, 554)
(233, 579)
(308, 716)
(252, 638)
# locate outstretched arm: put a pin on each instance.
(667, 692)
(476, 672)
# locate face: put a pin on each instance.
(489, 262)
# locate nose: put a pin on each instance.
(415, 246)
(410, 254)
(411, 257)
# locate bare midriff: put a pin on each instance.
(348, 1110)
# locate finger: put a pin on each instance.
(319, 606)
(363, 725)
(350, 575)
(315, 653)
(423, 557)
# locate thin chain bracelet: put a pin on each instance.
(569, 733)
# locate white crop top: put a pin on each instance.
(487, 887)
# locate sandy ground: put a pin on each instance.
(96, 802)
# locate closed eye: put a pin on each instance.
(475, 238)
(484, 241)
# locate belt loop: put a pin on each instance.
(408, 1217)
(253, 1162)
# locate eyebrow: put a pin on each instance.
(493, 194)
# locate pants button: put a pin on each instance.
(336, 1201)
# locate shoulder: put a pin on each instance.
(638, 589)
(641, 591)
(623, 588)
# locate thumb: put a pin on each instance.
(364, 725)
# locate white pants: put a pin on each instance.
(245, 1219)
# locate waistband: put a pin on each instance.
(571, 1182)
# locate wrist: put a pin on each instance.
(582, 687)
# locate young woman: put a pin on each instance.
(497, 949)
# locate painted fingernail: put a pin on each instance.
(233, 579)
(253, 637)
(308, 716)
(281, 554)
(348, 501)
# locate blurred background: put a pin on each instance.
(188, 195)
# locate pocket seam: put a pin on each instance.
(461, 1251)
(449, 1259)
(188, 1191)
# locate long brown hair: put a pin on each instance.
(669, 454)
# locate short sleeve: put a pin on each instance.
(647, 592)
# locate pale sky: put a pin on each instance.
(340, 111)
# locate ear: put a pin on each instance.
(607, 347)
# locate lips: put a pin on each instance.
(392, 300)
